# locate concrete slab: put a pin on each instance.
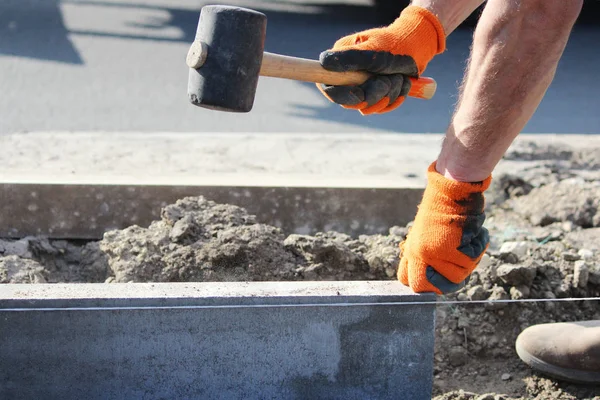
(81, 184)
(86, 211)
(257, 340)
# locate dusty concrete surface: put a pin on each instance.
(258, 159)
(545, 244)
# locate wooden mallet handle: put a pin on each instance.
(302, 69)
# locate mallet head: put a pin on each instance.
(225, 58)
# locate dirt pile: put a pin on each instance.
(39, 260)
(544, 223)
(198, 240)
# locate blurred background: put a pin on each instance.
(119, 65)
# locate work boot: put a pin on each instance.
(568, 350)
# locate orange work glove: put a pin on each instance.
(401, 49)
(447, 238)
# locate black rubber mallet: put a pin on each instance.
(227, 57)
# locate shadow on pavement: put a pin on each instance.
(35, 29)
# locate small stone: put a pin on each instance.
(505, 377)
(568, 226)
(516, 275)
(476, 293)
(462, 297)
(564, 289)
(19, 248)
(541, 219)
(14, 269)
(555, 246)
(585, 254)
(457, 356)
(509, 258)
(581, 274)
(485, 397)
(390, 272)
(569, 256)
(519, 292)
(485, 262)
(498, 293)
(184, 230)
(519, 249)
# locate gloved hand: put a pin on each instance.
(447, 238)
(402, 49)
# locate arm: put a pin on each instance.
(451, 13)
(516, 49)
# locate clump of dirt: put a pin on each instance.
(199, 240)
(40, 260)
(544, 223)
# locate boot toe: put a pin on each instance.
(566, 351)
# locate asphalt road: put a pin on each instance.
(110, 65)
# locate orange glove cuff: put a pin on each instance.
(417, 32)
(425, 23)
(447, 237)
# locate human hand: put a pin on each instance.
(392, 53)
(447, 239)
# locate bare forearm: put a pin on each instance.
(516, 49)
(451, 13)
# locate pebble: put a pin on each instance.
(505, 377)
(476, 293)
(182, 229)
(569, 256)
(498, 293)
(585, 254)
(581, 274)
(19, 248)
(541, 219)
(485, 262)
(516, 275)
(519, 292)
(564, 289)
(519, 249)
(457, 356)
(568, 226)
